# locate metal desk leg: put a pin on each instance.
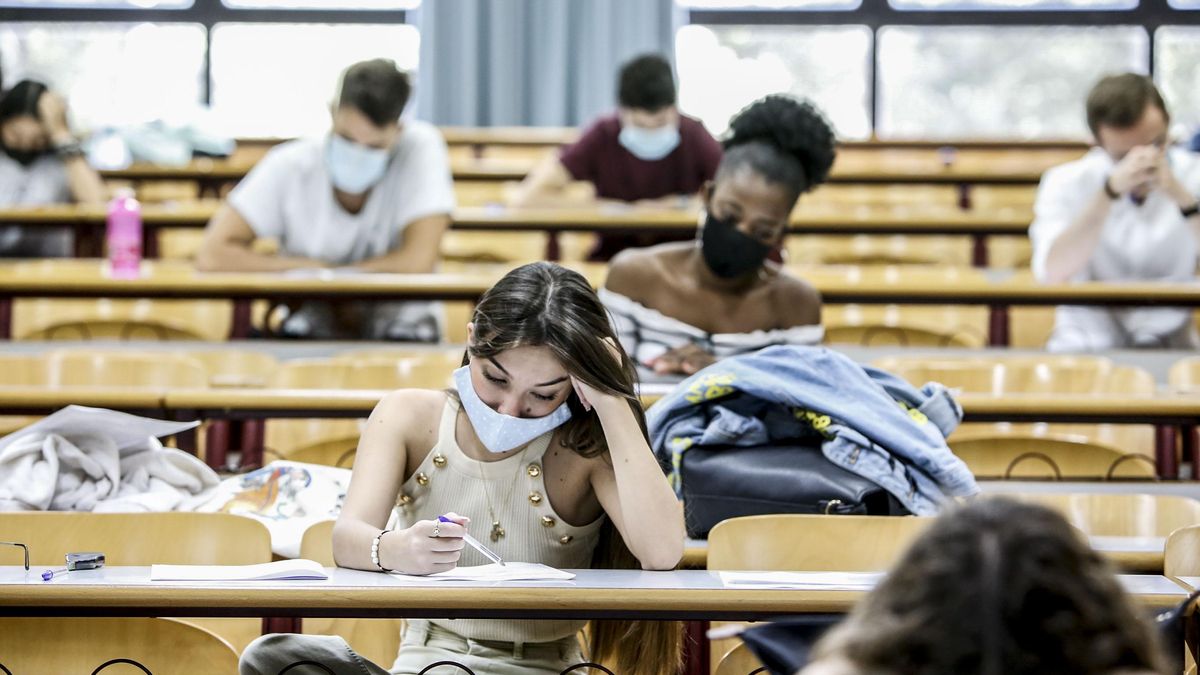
(1190, 450)
(281, 624)
(979, 250)
(695, 648)
(6, 318)
(252, 443)
(998, 325)
(1166, 459)
(216, 445)
(239, 328)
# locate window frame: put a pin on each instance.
(878, 14)
(207, 13)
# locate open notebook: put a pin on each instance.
(272, 571)
(841, 581)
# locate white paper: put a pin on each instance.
(323, 273)
(272, 571)
(127, 431)
(850, 581)
(513, 571)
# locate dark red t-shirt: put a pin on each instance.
(599, 158)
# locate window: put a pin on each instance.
(770, 4)
(99, 4)
(1014, 5)
(1001, 82)
(724, 68)
(278, 79)
(111, 73)
(1177, 70)
(321, 4)
(1185, 4)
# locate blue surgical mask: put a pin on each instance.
(354, 168)
(649, 144)
(499, 432)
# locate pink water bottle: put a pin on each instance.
(124, 236)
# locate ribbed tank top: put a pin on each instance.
(447, 480)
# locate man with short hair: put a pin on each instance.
(646, 152)
(1126, 211)
(374, 195)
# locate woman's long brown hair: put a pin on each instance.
(543, 304)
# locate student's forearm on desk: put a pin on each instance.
(1073, 248)
(232, 258)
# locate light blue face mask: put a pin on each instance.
(354, 168)
(499, 432)
(649, 144)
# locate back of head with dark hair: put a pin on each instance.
(377, 88)
(997, 587)
(22, 99)
(1120, 101)
(788, 142)
(646, 83)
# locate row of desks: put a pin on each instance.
(593, 594)
(967, 166)
(999, 290)
(1175, 416)
(88, 222)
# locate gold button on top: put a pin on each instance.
(439, 460)
(422, 479)
(566, 539)
(534, 470)
(547, 521)
(535, 497)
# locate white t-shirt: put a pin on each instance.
(42, 182)
(288, 196)
(1150, 242)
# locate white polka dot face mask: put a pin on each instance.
(500, 432)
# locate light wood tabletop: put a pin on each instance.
(808, 219)
(675, 595)
(857, 164)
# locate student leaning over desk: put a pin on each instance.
(541, 446)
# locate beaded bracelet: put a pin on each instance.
(375, 550)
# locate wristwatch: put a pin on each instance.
(68, 150)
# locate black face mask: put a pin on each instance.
(22, 157)
(728, 252)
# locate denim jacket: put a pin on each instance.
(873, 423)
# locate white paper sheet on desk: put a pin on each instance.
(851, 581)
(272, 571)
(513, 571)
(126, 430)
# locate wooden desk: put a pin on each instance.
(593, 594)
(962, 167)
(838, 284)
(1140, 555)
(88, 222)
(1170, 414)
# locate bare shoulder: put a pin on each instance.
(797, 302)
(635, 270)
(412, 413)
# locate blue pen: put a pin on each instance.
(487, 552)
(47, 575)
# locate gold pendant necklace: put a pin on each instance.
(498, 532)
